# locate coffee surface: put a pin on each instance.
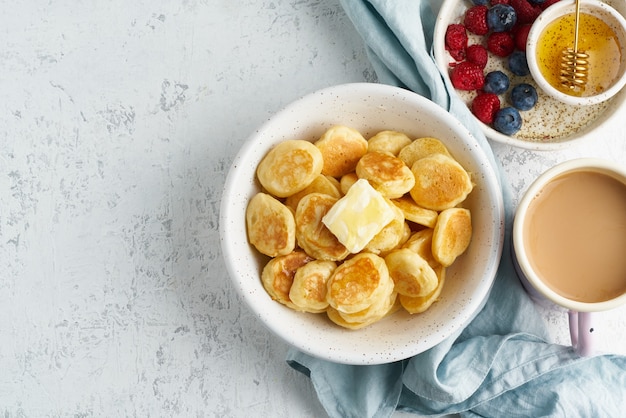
(575, 236)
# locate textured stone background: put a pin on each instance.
(118, 124)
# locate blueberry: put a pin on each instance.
(480, 2)
(507, 120)
(496, 82)
(524, 96)
(518, 64)
(501, 18)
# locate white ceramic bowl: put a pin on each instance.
(564, 7)
(368, 108)
(551, 124)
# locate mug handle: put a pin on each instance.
(581, 330)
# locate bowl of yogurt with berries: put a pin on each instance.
(480, 49)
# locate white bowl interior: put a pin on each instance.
(595, 8)
(368, 108)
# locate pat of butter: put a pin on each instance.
(358, 216)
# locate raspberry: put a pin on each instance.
(467, 76)
(477, 54)
(456, 41)
(500, 44)
(520, 35)
(476, 20)
(526, 12)
(457, 55)
(494, 2)
(485, 106)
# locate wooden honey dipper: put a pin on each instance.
(574, 63)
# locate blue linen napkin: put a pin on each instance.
(501, 364)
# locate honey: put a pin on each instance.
(595, 38)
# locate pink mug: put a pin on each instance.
(569, 242)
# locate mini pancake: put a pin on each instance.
(358, 283)
(339, 318)
(388, 142)
(421, 242)
(308, 290)
(346, 181)
(386, 173)
(452, 235)
(278, 274)
(414, 305)
(415, 213)
(440, 182)
(271, 226)
(391, 236)
(335, 317)
(322, 184)
(411, 274)
(290, 167)
(311, 233)
(376, 311)
(341, 148)
(420, 148)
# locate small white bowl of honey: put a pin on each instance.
(601, 35)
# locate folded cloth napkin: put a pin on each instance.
(501, 364)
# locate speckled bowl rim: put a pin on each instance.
(447, 13)
(369, 108)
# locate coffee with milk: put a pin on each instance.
(575, 236)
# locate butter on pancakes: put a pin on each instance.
(359, 215)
